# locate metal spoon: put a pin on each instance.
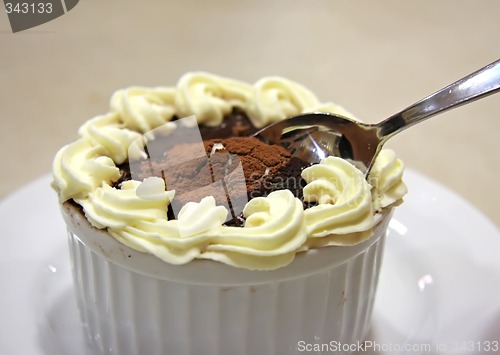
(314, 136)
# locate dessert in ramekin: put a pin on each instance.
(187, 236)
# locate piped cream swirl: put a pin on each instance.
(343, 197)
(274, 225)
(210, 97)
(386, 177)
(117, 208)
(143, 109)
(276, 98)
(273, 232)
(109, 133)
(80, 168)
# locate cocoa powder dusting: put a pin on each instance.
(196, 171)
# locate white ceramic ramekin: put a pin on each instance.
(133, 303)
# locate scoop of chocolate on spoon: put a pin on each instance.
(314, 136)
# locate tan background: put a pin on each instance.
(374, 57)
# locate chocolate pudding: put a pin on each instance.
(266, 168)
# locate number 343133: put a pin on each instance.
(25, 8)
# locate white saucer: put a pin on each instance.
(439, 289)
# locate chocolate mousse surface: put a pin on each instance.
(244, 166)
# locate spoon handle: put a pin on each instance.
(485, 81)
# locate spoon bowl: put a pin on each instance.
(314, 136)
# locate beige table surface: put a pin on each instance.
(374, 57)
